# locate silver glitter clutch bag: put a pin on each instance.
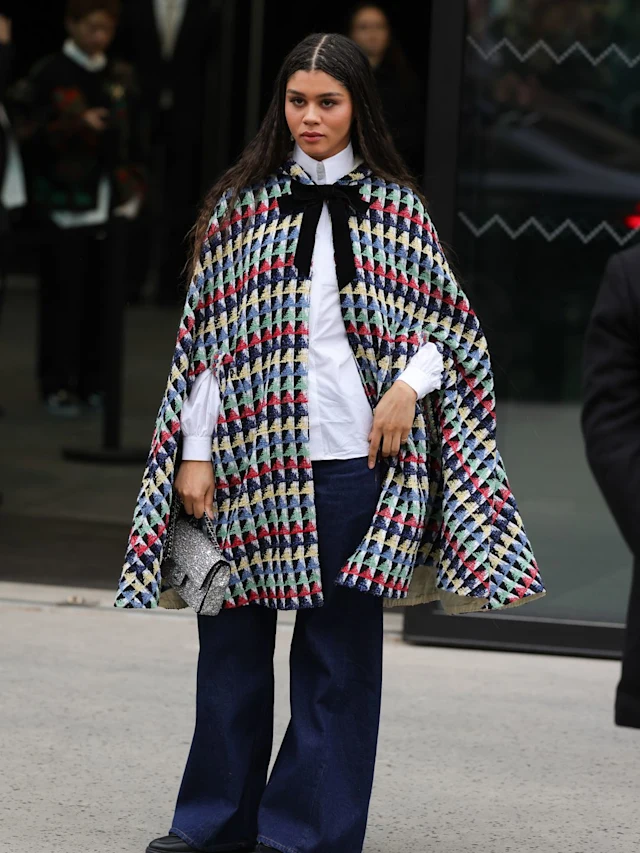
(193, 563)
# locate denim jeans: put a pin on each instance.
(317, 797)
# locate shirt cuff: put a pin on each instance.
(423, 382)
(196, 448)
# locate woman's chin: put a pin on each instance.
(316, 148)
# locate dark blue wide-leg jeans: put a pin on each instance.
(317, 797)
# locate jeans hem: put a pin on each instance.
(263, 839)
(229, 847)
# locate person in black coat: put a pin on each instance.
(611, 428)
(5, 65)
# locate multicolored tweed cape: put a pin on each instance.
(446, 525)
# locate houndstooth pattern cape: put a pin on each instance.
(446, 525)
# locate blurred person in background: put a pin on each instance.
(323, 338)
(12, 184)
(12, 188)
(611, 427)
(5, 62)
(77, 135)
(398, 85)
(169, 43)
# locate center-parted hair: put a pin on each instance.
(343, 60)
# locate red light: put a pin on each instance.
(632, 221)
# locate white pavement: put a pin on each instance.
(479, 751)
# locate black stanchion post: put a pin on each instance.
(113, 348)
(111, 453)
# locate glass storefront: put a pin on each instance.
(547, 189)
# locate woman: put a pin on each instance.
(331, 485)
(398, 86)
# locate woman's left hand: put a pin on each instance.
(393, 418)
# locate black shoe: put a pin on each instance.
(62, 404)
(174, 844)
(170, 844)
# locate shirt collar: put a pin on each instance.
(89, 63)
(330, 170)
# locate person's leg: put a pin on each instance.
(627, 710)
(94, 289)
(317, 798)
(57, 276)
(227, 766)
(180, 206)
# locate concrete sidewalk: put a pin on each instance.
(479, 751)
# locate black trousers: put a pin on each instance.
(628, 693)
(73, 288)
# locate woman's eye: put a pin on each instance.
(328, 103)
(297, 101)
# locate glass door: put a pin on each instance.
(547, 188)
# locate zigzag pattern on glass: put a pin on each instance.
(542, 46)
(549, 235)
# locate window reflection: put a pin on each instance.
(549, 179)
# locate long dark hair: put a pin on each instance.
(342, 59)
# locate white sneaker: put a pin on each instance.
(63, 404)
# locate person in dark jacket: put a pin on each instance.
(78, 145)
(6, 50)
(170, 43)
(611, 427)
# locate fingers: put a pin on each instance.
(208, 502)
(374, 445)
(198, 507)
(391, 443)
(195, 486)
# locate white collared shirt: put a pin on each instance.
(90, 63)
(340, 416)
(169, 15)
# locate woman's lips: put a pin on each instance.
(312, 136)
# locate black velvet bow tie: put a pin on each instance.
(309, 199)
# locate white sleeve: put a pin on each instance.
(424, 371)
(199, 416)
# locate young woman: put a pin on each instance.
(332, 391)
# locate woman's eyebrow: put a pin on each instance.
(324, 95)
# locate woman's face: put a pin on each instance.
(370, 31)
(319, 112)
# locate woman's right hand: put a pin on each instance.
(195, 486)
